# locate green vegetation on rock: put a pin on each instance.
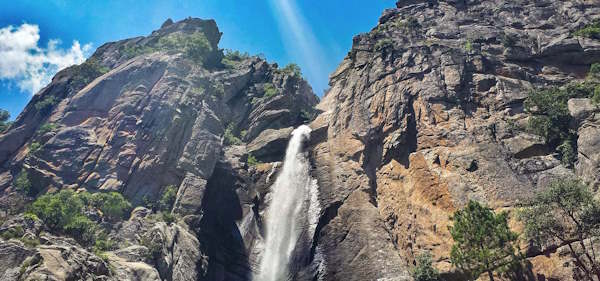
(46, 128)
(88, 71)
(590, 31)
(23, 183)
(566, 213)
(251, 161)
(270, 90)
(424, 270)
(483, 242)
(167, 199)
(232, 58)
(45, 105)
(292, 69)
(68, 212)
(229, 137)
(4, 116)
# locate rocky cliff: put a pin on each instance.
(427, 112)
(140, 115)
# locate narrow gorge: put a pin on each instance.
(165, 157)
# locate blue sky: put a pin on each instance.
(316, 34)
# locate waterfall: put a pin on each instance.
(292, 215)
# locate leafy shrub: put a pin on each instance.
(590, 31)
(596, 95)
(383, 44)
(22, 183)
(64, 211)
(81, 228)
(424, 271)
(102, 243)
(232, 58)
(410, 24)
(13, 233)
(167, 217)
(195, 46)
(34, 147)
(229, 138)
(30, 242)
(251, 161)
(567, 153)
(270, 90)
(88, 71)
(4, 116)
(292, 69)
(551, 116)
(167, 198)
(112, 204)
(594, 71)
(46, 128)
(469, 46)
(45, 105)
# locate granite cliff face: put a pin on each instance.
(426, 112)
(140, 115)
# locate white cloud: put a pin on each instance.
(30, 66)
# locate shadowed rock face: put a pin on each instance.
(421, 117)
(142, 114)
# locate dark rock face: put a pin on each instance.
(141, 115)
(423, 115)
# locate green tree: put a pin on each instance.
(424, 270)
(483, 242)
(168, 197)
(4, 116)
(566, 213)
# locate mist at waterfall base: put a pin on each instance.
(292, 214)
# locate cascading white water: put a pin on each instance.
(293, 210)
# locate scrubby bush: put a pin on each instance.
(46, 128)
(551, 119)
(65, 211)
(45, 105)
(270, 90)
(232, 58)
(292, 69)
(22, 182)
(167, 199)
(424, 270)
(4, 116)
(383, 44)
(88, 71)
(229, 137)
(167, 217)
(590, 31)
(251, 161)
(195, 45)
(34, 147)
(112, 205)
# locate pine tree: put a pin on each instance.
(483, 240)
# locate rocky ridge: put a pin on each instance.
(142, 114)
(426, 112)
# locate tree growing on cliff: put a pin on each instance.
(566, 214)
(483, 242)
(424, 270)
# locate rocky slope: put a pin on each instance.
(141, 114)
(426, 112)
